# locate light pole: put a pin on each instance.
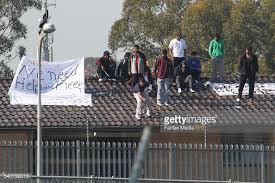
(47, 28)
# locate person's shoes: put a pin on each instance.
(102, 79)
(238, 100)
(250, 101)
(159, 103)
(150, 87)
(137, 117)
(148, 114)
(166, 104)
(191, 90)
(179, 90)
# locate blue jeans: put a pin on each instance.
(163, 90)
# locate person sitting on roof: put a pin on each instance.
(106, 67)
(140, 92)
(122, 68)
(194, 66)
(183, 76)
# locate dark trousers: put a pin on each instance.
(135, 78)
(177, 61)
(251, 83)
(195, 74)
(182, 81)
(108, 73)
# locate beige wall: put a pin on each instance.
(18, 135)
(194, 138)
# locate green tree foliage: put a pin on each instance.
(5, 71)
(268, 14)
(202, 20)
(248, 25)
(147, 23)
(12, 29)
(242, 23)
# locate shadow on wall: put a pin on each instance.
(90, 66)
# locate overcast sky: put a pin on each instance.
(82, 28)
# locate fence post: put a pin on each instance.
(109, 158)
(78, 158)
(160, 160)
(62, 158)
(272, 149)
(87, 147)
(170, 160)
(46, 146)
(262, 163)
(103, 147)
(119, 159)
(57, 160)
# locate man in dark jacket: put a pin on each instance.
(183, 76)
(122, 68)
(248, 69)
(137, 65)
(106, 67)
(164, 72)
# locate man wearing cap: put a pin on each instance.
(106, 67)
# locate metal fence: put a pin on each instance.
(60, 179)
(246, 163)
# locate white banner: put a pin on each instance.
(232, 89)
(62, 83)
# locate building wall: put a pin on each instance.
(16, 135)
(184, 137)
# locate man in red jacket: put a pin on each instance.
(164, 72)
(106, 67)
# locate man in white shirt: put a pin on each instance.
(177, 49)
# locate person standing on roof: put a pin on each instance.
(216, 52)
(106, 67)
(122, 68)
(136, 67)
(194, 65)
(248, 69)
(140, 91)
(177, 50)
(163, 70)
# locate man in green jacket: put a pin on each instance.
(216, 52)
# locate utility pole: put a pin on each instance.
(46, 39)
(47, 49)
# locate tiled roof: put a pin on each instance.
(115, 107)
